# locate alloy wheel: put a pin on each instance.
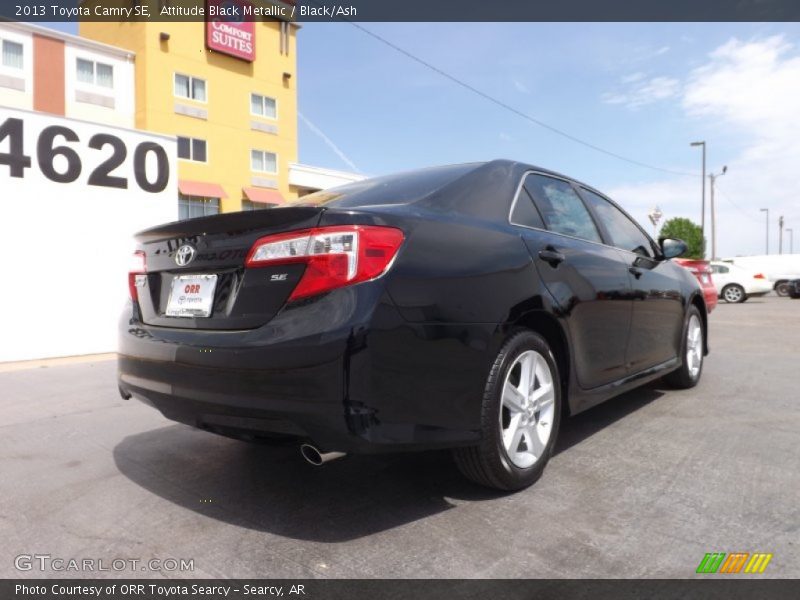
(694, 346)
(527, 409)
(733, 294)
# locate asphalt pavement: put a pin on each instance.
(642, 486)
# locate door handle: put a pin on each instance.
(551, 256)
(635, 272)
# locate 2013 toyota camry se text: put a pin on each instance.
(468, 307)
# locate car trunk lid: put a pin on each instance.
(210, 252)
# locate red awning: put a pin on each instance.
(263, 195)
(201, 188)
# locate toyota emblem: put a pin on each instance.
(185, 255)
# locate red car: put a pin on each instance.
(702, 270)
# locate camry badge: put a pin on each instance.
(185, 255)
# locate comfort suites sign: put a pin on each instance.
(227, 30)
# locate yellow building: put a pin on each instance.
(228, 91)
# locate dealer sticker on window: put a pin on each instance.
(191, 296)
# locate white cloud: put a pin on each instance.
(750, 90)
(505, 137)
(520, 86)
(637, 90)
(752, 84)
(633, 77)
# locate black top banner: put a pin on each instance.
(402, 10)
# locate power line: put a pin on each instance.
(516, 111)
(736, 206)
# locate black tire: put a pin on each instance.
(782, 288)
(733, 293)
(488, 463)
(683, 378)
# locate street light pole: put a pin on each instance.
(713, 178)
(780, 234)
(703, 193)
(790, 231)
(766, 210)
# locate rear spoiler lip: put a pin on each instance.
(229, 223)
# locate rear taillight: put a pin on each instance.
(759, 276)
(334, 256)
(137, 274)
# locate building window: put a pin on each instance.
(192, 149)
(95, 73)
(263, 161)
(249, 205)
(190, 87)
(263, 106)
(190, 207)
(12, 54)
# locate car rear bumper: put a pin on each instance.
(710, 296)
(758, 289)
(330, 372)
(258, 391)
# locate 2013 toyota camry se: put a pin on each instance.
(466, 307)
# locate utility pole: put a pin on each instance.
(713, 178)
(703, 192)
(780, 234)
(790, 231)
(766, 210)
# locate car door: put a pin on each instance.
(657, 320)
(721, 276)
(588, 279)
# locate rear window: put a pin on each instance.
(402, 188)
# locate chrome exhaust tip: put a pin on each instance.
(316, 457)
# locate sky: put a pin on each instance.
(640, 90)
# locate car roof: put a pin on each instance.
(465, 186)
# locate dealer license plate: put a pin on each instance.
(191, 296)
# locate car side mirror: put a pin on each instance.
(672, 248)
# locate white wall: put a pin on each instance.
(317, 178)
(66, 246)
(123, 94)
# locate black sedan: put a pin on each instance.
(466, 307)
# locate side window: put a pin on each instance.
(561, 208)
(624, 232)
(723, 269)
(525, 212)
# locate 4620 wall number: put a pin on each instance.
(54, 141)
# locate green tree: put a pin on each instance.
(689, 232)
